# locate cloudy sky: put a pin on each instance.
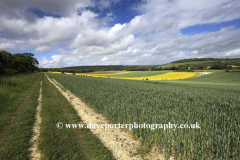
(120, 32)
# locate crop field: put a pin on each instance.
(216, 110)
(100, 73)
(209, 70)
(141, 74)
(164, 76)
(222, 78)
(144, 75)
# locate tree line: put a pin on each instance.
(17, 63)
(206, 59)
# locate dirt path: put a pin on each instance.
(119, 142)
(35, 153)
(203, 73)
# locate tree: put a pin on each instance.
(19, 63)
(5, 61)
(24, 62)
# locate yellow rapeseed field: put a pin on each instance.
(54, 72)
(166, 76)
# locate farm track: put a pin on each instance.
(78, 133)
(122, 145)
(35, 153)
(65, 143)
(15, 115)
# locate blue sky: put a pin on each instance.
(210, 27)
(107, 32)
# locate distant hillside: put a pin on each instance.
(202, 63)
(180, 65)
(85, 69)
(207, 59)
(108, 66)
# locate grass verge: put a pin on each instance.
(19, 96)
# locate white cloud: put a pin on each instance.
(105, 58)
(13, 9)
(82, 38)
(43, 49)
(234, 53)
(8, 45)
(194, 52)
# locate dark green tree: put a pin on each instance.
(18, 62)
(5, 61)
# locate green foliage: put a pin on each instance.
(17, 63)
(193, 60)
(216, 109)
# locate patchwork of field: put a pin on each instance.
(109, 72)
(215, 109)
(101, 73)
(143, 75)
(164, 76)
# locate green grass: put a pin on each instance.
(18, 96)
(215, 108)
(209, 70)
(218, 78)
(65, 143)
(177, 64)
(140, 74)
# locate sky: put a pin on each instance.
(120, 32)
